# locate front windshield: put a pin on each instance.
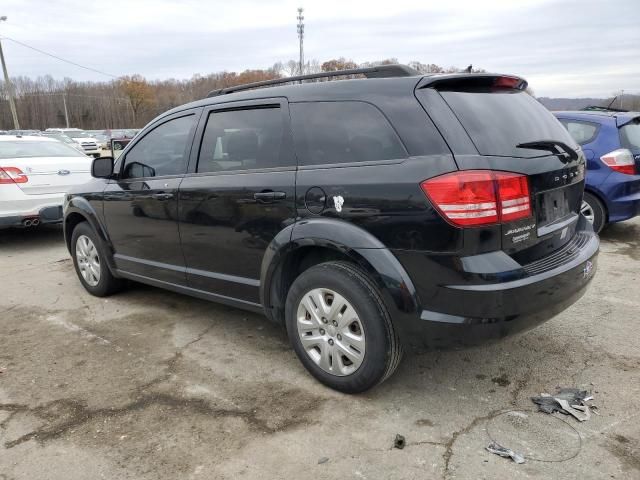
(630, 135)
(27, 149)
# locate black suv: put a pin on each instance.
(364, 215)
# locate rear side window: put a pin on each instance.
(497, 120)
(582, 132)
(242, 140)
(342, 132)
(630, 135)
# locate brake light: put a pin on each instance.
(12, 175)
(479, 197)
(620, 160)
(507, 82)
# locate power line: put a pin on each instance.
(58, 58)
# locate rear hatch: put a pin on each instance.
(56, 173)
(510, 131)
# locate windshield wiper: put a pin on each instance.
(552, 146)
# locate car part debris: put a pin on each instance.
(569, 401)
(498, 449)
(399, 442)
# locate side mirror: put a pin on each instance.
(102, 167)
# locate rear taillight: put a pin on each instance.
(12, 175)
(479, 197)
(620, 160)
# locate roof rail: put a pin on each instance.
(381, 71)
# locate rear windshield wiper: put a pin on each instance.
(552, 146)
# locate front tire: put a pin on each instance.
(340, 328)
(90, 263)
(594, 211)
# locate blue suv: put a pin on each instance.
(610, 140)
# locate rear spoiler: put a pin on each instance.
(625, 118)
(472, 81)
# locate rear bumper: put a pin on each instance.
(470, 313)
(45, 208)
(622, 194)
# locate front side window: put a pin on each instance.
(242, 140)
(162, 151)
(582, 132)
(342, 132)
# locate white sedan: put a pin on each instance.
(35, 174)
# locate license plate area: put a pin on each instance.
(553, 206)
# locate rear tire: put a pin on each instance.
(594, 211)
(352, 347)
(90, 262)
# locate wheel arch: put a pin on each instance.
(601, 198)
(309, 242)
(79, 210)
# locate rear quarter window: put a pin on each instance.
(342, 132)
(582, 132)
(630, 135)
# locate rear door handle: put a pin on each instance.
(269, 196)
(162, 196)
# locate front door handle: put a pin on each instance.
(162, 196)
(266, 197)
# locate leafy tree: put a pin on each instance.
(139, 93)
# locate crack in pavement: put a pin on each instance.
(64, 415)
(80, 414)
(448, 453)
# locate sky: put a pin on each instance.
(564, 48)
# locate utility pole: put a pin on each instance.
(66, 112)
(621, 97)
(300, 18)
(8, 85)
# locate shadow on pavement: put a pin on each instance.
(31, 238)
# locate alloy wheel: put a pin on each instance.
(88, 260)
(331, 331)
(587, 211)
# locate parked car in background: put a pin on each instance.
(64, 139)
(84, 139)
(35, 173)
(346, 214)
(610, 140)
(102, 139)
(24, 132)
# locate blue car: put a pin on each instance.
(610, 140)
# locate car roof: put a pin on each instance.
(620, 118)
(352, 89)
(6, 138)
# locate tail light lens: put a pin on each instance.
(620, 160)
(479, 197)
(12, 175)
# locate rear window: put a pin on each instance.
(499, 119)
(342, 132)
(27, 149)
(630, 135)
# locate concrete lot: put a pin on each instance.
(149, 384)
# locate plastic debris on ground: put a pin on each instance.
(498, 449)
(569, 401)
(399, 442)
